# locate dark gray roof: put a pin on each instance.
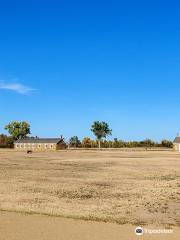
(177, 140)
(39, 140)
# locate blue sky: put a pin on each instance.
(64, 64)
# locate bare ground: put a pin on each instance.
(15, 226)
(134, 187)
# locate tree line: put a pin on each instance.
(19, 130)
(87, 142)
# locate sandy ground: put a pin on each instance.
(15, 226)
(111, 186)
(115, 190)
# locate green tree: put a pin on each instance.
(86, 142)
(94, 144)
(101, 130)
(10, 142)
(148, 143)
(3, 140)
(115, 143)
(18, 130)
(74, 142)
(6, 141)
(166, 143)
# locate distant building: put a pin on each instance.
(176, 144)
(40, 144)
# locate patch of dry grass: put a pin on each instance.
(115, 186)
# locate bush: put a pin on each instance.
(74, 142)
(86, 142)
(166, 143)
(6, 141)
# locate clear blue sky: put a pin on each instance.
(64, 64)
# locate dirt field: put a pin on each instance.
(111, 186)
(15, 226)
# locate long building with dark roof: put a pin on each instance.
(40, 144)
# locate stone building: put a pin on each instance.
(40, 144)
(176, 144)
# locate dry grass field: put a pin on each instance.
(135, 187)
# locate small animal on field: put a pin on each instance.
(29, 151)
